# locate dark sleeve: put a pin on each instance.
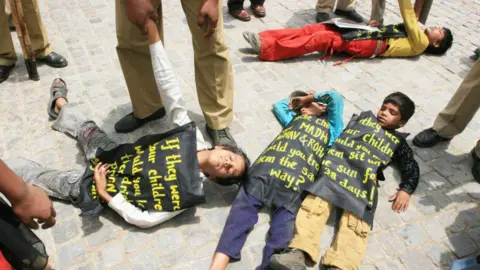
(409, 170)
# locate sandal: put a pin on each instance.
(240, 14)
(58, 90)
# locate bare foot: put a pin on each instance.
(60, 102)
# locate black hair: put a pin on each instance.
(405, 105)
(444, 46)
(234, 179)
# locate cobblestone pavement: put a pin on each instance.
(443, 220)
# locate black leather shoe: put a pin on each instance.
(129, 122)
(221, 137)
(428, 138)
(322, 17)
(5, 72)
(476, 166)
(349, 14)
(54, 60)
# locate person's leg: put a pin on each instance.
(272, 49)
(36, 29)
(213, 73)
(346, 8)
(236, 9)
(279, 235)
(291, 33)
(258, 8)
(241, 219)
(8, 57)
(462, 107)
(378, 10)
(345, 5)
(62, 185)
(134, 56)
(73, 119)
(324, 6)
(476, 162)
(350, 243)
(309, 224)
(457, 114)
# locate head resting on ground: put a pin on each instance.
(224, 164)
(396, 110)
(440, 39)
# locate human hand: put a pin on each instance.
(208, 17)
(299, 102)
(400, 201)
(139, 12)
(100, 177)
(35, 204)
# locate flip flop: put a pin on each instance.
(58, 90)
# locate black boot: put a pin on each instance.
(428, 138)
(322, 17)
(130, 123)
(349, 14)
(5, 72)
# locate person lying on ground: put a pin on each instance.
(278, 177)
(348, 180)
(147, 182)
(402, 40)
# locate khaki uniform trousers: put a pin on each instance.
(327, 5)
(350, 242)
(378, 10)
(461, 108)
(36, 30)
(213, 71)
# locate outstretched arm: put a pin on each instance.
(418, 40)
(167, 84)
(28, 202)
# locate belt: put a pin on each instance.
(378, 48)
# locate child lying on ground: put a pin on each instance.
(278, 177)
(348, 180)
(147, 182)
(402, 40)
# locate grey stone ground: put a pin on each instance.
(443, 220)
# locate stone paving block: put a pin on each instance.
(65, 231)
(390, 265)
(72, 254)
(144, 260)
(434, 229)
(109, 255)
(137, 240)
(439, 254)
(461, 244)
(103, 235)
(415, 259)
(392, 243)
(413, 234)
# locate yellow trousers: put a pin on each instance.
(461, 108)
(36, 30)
(213, 71)
(327, 5)
(350, 242)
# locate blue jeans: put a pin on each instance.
(241, 219)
